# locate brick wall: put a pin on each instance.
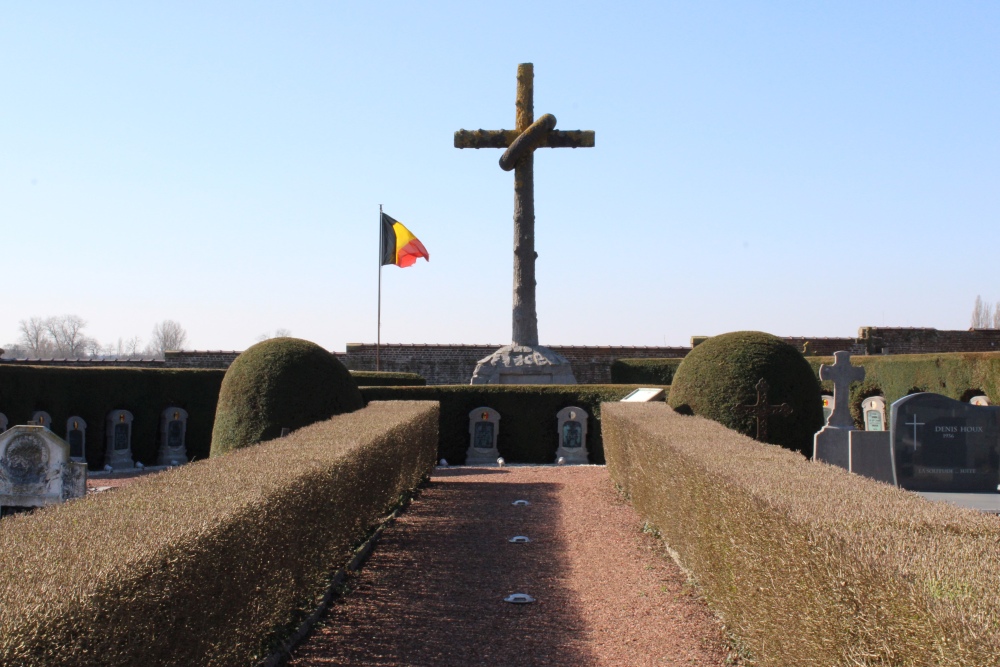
(200, 359)
(883, 340)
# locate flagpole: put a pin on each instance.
(378, 335)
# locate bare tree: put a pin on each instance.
(278, 333)
(996, 316)
(66, 334)
(982, 314)
(35, 337)
(167, 335)
(14, 351)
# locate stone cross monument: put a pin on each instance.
(831, 443)
(524, 361)
(761, 410)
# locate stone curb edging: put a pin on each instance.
(281, 655)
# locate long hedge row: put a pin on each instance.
(210, 563)
(527, 432)
(808, 564)
(958, 375)
(92, 393)
(639, 371)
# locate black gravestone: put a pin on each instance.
(175, 434)
(940, 444)
(76, 443)
(483, 435)
(121, 436)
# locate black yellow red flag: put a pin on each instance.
(399, 245)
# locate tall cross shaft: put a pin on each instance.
(519, 156)
(842, 373)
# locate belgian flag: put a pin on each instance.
(399, 245)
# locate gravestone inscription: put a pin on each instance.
(873, 410)
(940, 444)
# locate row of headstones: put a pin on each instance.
(873, 410)
(934, 443)
(118, 430)
(484, 427)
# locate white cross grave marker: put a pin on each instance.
(842, 374)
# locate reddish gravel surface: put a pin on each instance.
(432, 592)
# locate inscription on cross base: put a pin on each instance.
(842, 373)
(761, 410)
(521, 143)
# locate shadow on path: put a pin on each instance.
(432, 593)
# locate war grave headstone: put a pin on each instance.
(981, 401)
(484, 427)
(940, 444)
(827, 407)
(42, 418)
(3, 422)
(762, 411)
(76, 436)
(118, 428)
(873, 413)
(524, 361)
(35, 469)
(572, 424)
(173, 431)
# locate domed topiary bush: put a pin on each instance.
(280, 383)
(721, 374)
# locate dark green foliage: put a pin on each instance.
(956, 375)
(280, 383)
(651, 371)
(387, 379)
(92, 393)
(721, 374)
(527, 415)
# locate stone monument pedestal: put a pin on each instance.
(523, 364)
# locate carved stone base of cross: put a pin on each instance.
(761, 410)
(523, 364)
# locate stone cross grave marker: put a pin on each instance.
(842, 373)
(520, 144)
(761, 410)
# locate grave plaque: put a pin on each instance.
(873, 409)
(645, 395)
(118, 429)
(572, 424)
(76, 436)
(173, 430)
(484, 426)
(940, 444)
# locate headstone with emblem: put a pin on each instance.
(572, 425)
(980, 400)
(873, 412)
(827, 407)
(3, 422)
(940, 444)
(484, 427)
(173, 434)
(118, 430)
(76, 436)
(42, 418)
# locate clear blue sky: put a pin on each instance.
(802, 168)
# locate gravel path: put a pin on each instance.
(432, 592)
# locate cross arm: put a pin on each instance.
(569, 139)
(485, 138)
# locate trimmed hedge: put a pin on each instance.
(280, 383)
(92, 393)
(210, 563)
(957, 375)
(387, 379)
(639, 371)
(720, 376)
(806, 563)
(528, 432)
